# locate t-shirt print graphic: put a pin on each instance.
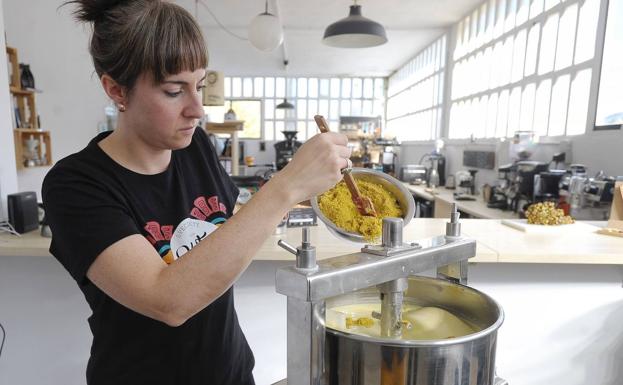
(207, 215)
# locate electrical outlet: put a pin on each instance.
(262, 146)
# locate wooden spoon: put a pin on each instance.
(364, 204)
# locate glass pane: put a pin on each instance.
(357, 91)
(509, 24)
(566, 37)
(378, 108)
(587, 29)
(279, 113)
(227, 87)
(291, 92)
(548, 44)
(346, 87)
(550, 4)
(368, 88)
(269, 130)
(541, 107)
(236, 91)
(500, 129)
(323, 107)
(269, 87)
(482, 24)
(356, 107)
(467, 28)
(247, 87)
(280, 87)
(334, 112)
(527, 107)
(514, 105)
(558, 109)
(313, 88)
(578, 102)
(496, 78)
(312, 108)
(378, 88)
(335, 88)
(490, 21)
(519, 56)
(302, 87)
(454, 111)
(507, 61)
(324, 88)
(610, 97)
(536, 8)
(440, 93)
(258, 87)
(500, 18)
(279, 126)
(523, 8)
(269, 108)
(481, 117)
(345, 108)
(532, 49)
(301, 127)
(301, 109)
(367, 108)
(492, 110)
(251, 112)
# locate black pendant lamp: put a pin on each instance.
(285, 105)
(354, 31)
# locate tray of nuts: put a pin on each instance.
(542, 217)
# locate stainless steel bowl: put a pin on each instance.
(391, 184)
(352, 359)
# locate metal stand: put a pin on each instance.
(308, 284)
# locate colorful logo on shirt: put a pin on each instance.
(209, 214)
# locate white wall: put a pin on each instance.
(56, 48)
(8, 176)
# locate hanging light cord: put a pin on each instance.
(220, 24)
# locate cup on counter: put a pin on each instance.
(249, 160)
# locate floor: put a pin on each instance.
(564, 324)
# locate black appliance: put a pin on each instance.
(437, 162)
(23, 211)
(284, 150)
(546, 185)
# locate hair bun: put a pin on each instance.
(93, 10)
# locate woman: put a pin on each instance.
(142, 216)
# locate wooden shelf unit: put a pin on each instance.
(44, 149)
(24, 100)
(231, 128)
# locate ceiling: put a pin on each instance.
(410, 26)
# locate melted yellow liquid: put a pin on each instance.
(419, 322)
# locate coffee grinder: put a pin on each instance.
(284, 150)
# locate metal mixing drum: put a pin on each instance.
(318, 355)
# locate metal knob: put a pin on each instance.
(305, 254)
(453, 228)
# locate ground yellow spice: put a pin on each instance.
(337, 205)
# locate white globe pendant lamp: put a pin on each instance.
(265, 32)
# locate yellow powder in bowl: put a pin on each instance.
(337, 205)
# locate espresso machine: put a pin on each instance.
(588, 198)
(284, 150)
(320, 355)
(522, 187)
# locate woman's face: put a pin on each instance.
(165, 115)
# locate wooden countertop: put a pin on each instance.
(496, 242)
(477, 208)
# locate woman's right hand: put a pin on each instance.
(316, 166)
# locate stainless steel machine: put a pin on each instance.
(319, 355)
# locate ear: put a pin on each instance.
(114, 90)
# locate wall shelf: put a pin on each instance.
(44, 147)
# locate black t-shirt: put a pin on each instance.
(91, 202)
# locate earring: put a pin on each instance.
(121, 107)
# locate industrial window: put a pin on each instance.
(523, 65)
(610, 100)
(415, 95)
(330, 97)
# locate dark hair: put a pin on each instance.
(132, 37)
